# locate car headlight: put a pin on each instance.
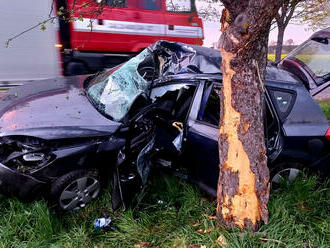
(25, 154)
(34, 157)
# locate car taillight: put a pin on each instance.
(327, 134)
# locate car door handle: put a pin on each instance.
(178, 125)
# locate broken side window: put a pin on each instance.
(210, 105)
(174, 99)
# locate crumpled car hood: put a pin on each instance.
(52, 109)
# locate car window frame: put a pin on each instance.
(281, 116)
(218, 84)
(171, 83)
(192, 82)
(267, 104)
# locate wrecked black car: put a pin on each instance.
(64, 138)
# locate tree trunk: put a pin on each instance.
(243, 187)
(279, 44)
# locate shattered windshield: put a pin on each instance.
(316, 55)
(114, 91)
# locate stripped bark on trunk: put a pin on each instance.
(243, 187)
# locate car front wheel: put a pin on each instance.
(75, 190)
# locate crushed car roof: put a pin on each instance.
(180, 58)
(177, 58)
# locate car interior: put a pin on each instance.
(172, 109)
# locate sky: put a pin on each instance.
(299, 33)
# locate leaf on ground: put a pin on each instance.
(272, 240)
(302, 206)
(142, 244)
(220, 242)
(210, 217)
(197, 246)
(242, 234)
(204, 231)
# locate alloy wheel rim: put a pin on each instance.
(285, 176)
(79, 193)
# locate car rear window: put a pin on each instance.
(283, 101)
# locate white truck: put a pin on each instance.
(32, 55)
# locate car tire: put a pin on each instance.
(73, 191)
(285, 173)
(75, 68)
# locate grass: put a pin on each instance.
(299, 217)
(325, 105)
(271, 56)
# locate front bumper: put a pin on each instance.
(17, 184)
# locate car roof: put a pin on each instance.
(181, 61)
(196, 78)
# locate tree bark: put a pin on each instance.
(279, 44)
(243, 187)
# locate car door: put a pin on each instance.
(201, 154)
(310, 62)
(201, 149)
(171, 102)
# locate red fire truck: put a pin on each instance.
(105, 33)
(121, 29)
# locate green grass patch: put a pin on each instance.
(299, 217)
(326, 108)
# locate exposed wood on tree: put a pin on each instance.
(243, 187)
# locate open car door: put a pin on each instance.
(310, 62)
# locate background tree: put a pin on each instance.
(312, 12)
(243, 187)
(316, 13)
(283, 18)
(208, 10)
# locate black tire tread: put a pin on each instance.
(62, 182)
